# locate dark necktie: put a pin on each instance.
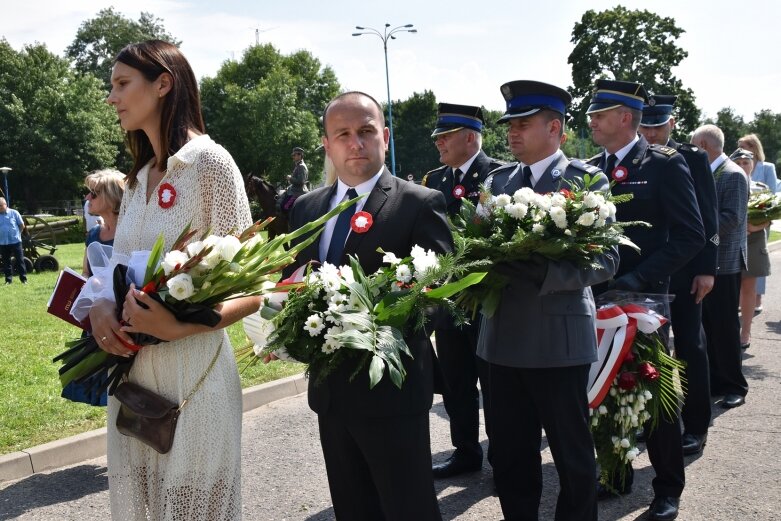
(341, 229)
(610, 165)
(527, 178)
(457, 176)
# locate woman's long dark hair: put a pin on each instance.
(181, 106)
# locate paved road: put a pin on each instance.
(736, 478)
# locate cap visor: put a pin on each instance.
(654, 121)
(524, 113)
(442, 130)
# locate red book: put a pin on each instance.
(66, 290)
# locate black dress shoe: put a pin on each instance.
(693, 443)
(455, 465)
(663, 508)
(731, 401)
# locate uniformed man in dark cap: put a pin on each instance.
(695, 280)
(458, 138)
(663, 195)
(298, 180)
(540, 342)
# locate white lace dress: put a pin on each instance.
(200, 478)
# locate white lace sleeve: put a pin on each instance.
(224, 193)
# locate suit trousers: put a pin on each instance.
(722, 330)
(379, 468)
(456, 349)
(523, 401)
(686, 318)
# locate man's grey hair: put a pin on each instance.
(711, 134)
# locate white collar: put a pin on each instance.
(363, 188)
(541, 166)
(622, 152)
(718, 161)
(467, 165)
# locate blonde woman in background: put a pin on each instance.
(105, 189)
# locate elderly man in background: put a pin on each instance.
(11, 229)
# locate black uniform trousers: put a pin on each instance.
(523, 401)
(722, 329)
(456, 348)
(366, 478)
(690, 346)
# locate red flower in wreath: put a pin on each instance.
(620, 173)
(361, 222)
(166, 195)
(459, 191)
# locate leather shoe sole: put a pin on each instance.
(731, 401)
(663, 508)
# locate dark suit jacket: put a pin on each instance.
(442, 179)
(547, 322)
(405, 214)
(664, 196)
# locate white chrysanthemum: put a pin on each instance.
(559, 216)
(593, 200)
(173, 259)
(181, 286)
(558, 199)
(538, 228)
(403, 273)
(229, 247)
(612, 208)
(586, 219)
(517, 210)
(329, 277)
(542, 201)
(502, 200)
(604, 211)
(600, 223)
(314, 324)
(422, 264)
(524, 196)
(331, 344)
(390, 258)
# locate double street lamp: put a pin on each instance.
(5, 170)
(384, 36)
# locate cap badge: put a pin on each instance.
(555, 173)
(651, 102)
(620, 173)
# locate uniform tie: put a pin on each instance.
(341, 229)
(527, 178)
(610, 165)
(457, 173)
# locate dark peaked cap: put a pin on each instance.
(451, 117)
(610, 94)
(658, 110)
(525, 97)
(741, 153)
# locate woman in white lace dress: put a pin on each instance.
(156, 97)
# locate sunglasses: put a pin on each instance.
(93, 193)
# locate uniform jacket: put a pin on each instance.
(663, 191)
(299, 178)
(442, 179)
(546, 321)
(732, 193)
(405, 214)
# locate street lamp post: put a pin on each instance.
(384, 35)
(5, 170)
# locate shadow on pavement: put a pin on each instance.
(40, 490)
(325, 515)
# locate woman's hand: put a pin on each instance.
(157, 320)
(751, 228)
(106, 329)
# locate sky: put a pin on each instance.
(463, 50)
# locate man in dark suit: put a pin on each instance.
(540, 342)
(458, 138)
(375, 442)
(720, 308)
(694, 281)
(663, 195)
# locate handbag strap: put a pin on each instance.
(203, 377)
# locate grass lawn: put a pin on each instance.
(774, 236)
(32, 411)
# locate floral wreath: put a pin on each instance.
(166, 195)
(459, 191)
(620, 173)
(361, 222)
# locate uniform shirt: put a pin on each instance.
(465, 167)
(11, 225)
(537, 168)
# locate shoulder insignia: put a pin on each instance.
(436, 169)
(503, 167)
(585, 167)
(595, 159)
(688, 147)
(664, 149)
(423, 181)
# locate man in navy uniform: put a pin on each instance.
(663, 195)
(540, 342)
(695, 280)
(458, 138)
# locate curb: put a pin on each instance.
(773, 246)
(92, 444)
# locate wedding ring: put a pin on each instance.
(103, 338)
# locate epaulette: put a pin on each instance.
(595, 158)
(688, 147)
(581, 165)
(664, 149)
(502, 167)
(495, 163)
(425, 177)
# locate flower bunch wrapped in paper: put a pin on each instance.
(573, 225)
(189, 280)
(763, 206)
(635, 380)
(340, 315)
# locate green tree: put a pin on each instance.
(767, 125)
(495, 136)
(99, 40)
(259, 108)
(413, 121)
(55, 125)
(629, 45)
(732, 125)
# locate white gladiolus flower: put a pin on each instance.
(314, 324)
(586, 219)
(625, 443)
(347, 275)
(622, 401)
(613, 391)
(194, 248)
(538, 228)
(403, 273)
(524, 196)
(558, 199)
(229, 247)
(568, 232)
(595, 421)
(181, 286)
(502, 200)
(517, 210)
(632, 454)
(211, 260)
(390, 258)
(172, 259)
(602, 409)
(647, 394)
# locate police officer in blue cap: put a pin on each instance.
(695, 280)
(458, 138)
(540, 342)
(663, 195)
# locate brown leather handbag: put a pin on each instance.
(149, 417)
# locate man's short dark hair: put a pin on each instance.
(353, 93)
(550, 115)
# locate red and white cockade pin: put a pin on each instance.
(361, 222)
(620, 173)
(459, 191)
(166, 195)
